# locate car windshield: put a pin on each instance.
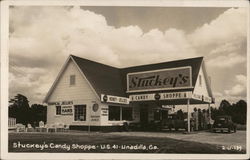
(221, 120)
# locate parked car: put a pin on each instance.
(224, 123)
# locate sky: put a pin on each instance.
(42, 37)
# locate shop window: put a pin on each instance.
(58, 110)
(127, 113)
(80, 113)
(72, 79)
(114, 113)
(200, 80)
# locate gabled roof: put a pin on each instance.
(110, 80)
(210, 93)
(103, 78)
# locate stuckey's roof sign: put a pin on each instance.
(164, 79)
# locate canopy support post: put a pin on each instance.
(188, 115)
(209, 114)
(89, 119)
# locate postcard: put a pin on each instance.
(124, 79)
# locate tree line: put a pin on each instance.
(20, 109)
(238, 111)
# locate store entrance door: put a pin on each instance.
(164, 114)
(144, 116)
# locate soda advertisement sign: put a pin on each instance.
(164, 79)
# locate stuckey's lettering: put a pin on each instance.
(157, 80)
(162, 79)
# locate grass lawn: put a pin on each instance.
(105, 143)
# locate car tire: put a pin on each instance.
(125, 126)
(170, 128)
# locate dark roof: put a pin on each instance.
(112, 81)
(103, 78)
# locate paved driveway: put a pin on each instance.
(233, 139)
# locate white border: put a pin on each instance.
(4, 77)
(159, 70)
(150, 3)
(248, 83)
(154, 3)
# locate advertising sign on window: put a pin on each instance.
(66, 110)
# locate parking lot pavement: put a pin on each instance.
(225, 139)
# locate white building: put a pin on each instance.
(87, 93)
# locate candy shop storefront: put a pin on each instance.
(88, 95)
